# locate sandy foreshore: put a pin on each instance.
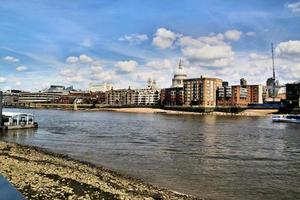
(38, 174)
(248, 112)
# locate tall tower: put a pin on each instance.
(274, 77)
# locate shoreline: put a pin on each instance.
(41, 174)
(149, 110)
(247, 112)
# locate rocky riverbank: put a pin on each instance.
(38, 174)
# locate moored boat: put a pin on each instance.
(14, 120)
(286, 118)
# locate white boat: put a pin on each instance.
(14, 120)
(286, 118)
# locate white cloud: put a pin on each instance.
(75, 79)
(21, 68)
(251, 34)
(159, 64)
(2, 79)
(73, 75)
(86, 43)
(72, 59)
(255, 56)
(213, 50)
(164, 38)
(10, 59)
(84, 58)
(96, 67)
(68, 72)
(18, 83)
(290, 49)
(127, 66)
(207, 50)
(134, 38)
(233, 35)
(294, 7)
(103, 76)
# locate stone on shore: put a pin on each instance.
(41, 175)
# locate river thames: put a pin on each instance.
(214, 157)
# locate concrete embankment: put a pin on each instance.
(38, 174)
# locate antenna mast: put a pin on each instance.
(274, 77)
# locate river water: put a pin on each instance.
(214, 157)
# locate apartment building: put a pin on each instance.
(172, 96)
(201, 91)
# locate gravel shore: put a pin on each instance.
(39, 174)
(247, 112)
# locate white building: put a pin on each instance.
(99, 87)
(148, 96)
(179, 76)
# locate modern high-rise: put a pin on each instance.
(201, 91)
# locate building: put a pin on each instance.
(224, 95)
(38, 97)
(56, 89)
(272, 88)
(11, 97)
(243, 82)
(201, 91)
(238, 95)
(99, 87)
(148, 96)
(120, 97)
(144, 97)
(179, 76)
(255, 94)
(293, 94)
(172, 96)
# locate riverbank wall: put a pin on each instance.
(39, 174)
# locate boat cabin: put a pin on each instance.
(17, 119)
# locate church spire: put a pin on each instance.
(180, 64)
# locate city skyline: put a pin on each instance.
(126, 42)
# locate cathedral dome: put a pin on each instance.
(179, 76)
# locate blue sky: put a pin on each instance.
(126, 41)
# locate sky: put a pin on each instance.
(125, 42)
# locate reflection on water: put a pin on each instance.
(18, 134)
(217, 157)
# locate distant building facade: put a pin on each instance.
(243, 82)
(293, 94)
(172, 96)
(140, 97)
(120, 97)
(238, 95)
(100, 87)
(201, 91)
